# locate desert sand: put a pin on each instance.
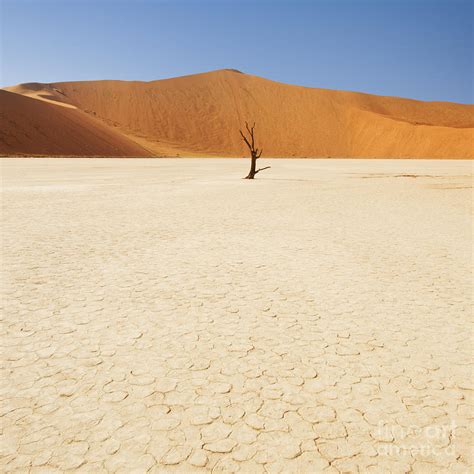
(166, 315)
(200, 115)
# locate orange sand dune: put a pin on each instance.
(31, 127)
(201, 114)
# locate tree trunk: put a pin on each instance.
(253, 167)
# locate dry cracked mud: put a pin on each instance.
(167, 316)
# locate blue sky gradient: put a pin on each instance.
(421, 49)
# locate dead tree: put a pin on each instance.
(255, 153)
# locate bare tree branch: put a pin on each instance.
(261, 169)
(251, 133)
(245, 139)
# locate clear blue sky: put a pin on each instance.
(420, 49)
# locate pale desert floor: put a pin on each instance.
(166, 315)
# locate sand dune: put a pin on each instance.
(33, 127)
(201, 114)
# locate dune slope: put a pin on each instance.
(201, 115)
(35, 128)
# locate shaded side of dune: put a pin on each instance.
(36, 128)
